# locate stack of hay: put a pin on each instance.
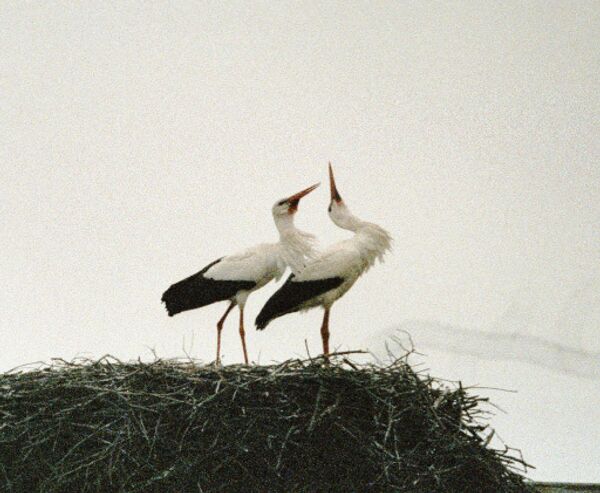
(300, 426)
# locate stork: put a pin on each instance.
(333, 272)
(234, 277)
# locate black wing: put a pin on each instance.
(196, 291)
(291, 296)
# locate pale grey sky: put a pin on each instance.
(139, 141)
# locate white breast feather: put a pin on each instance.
(297, 248)
(351, 258)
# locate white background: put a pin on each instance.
(138, 142)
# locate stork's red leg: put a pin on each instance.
(325, 333)
(220, 328)
(243, 334)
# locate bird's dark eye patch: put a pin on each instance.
(329, 208)
(281, 202)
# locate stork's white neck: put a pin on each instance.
(296, 247)
(284, 223)
(371, 239)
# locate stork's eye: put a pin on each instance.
(281, 202)
(329, 208)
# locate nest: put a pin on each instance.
(299, 426)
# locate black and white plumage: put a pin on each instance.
(333, 272)
(197, 291)
(234, 277)
(293, 296)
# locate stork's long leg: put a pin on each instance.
(243, 334)
(220, 328)
(325, 332)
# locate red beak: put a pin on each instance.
(294, 199)
(335, 195)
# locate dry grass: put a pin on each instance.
(299, 426)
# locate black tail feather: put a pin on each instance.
(291, 297)
(197, 291)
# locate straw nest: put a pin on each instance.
(299, 426)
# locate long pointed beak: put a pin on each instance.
(335, 195)
(294, 199)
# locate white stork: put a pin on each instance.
(333, 272)
(234, 277)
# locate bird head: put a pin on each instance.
(289, 205)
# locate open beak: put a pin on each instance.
(294, 199)
(335, 195)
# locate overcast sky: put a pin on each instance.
(138, 142)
